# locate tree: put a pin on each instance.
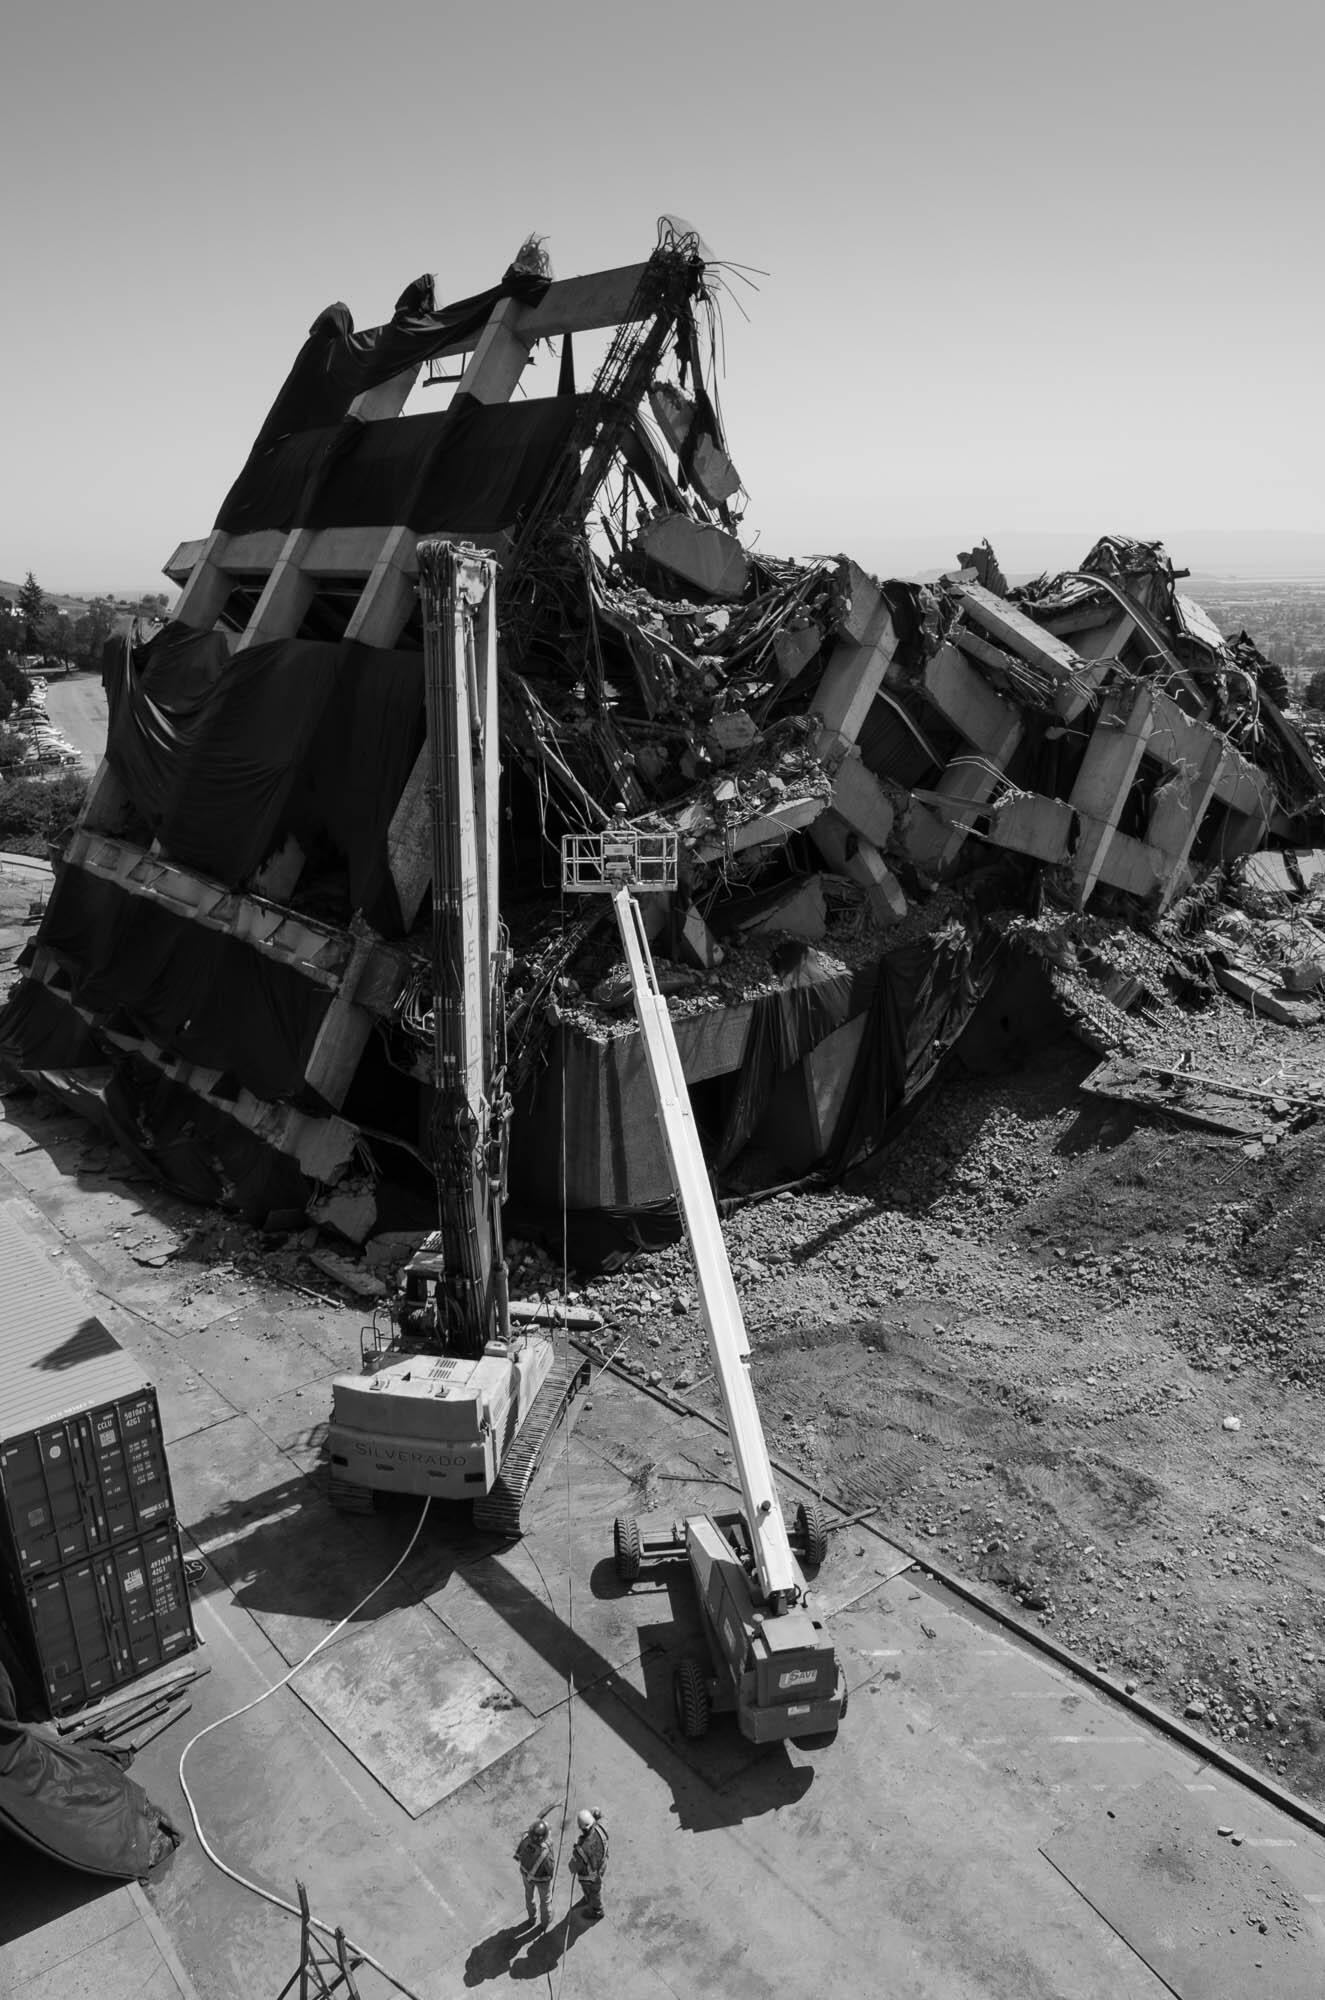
(1315, 694)
(92, 630)
(34, 611)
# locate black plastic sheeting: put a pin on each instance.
(75, 1803)
(198, 993)
(224, 756)
(474, 466)
(927, 992)
(189, 1142)
(335, 364)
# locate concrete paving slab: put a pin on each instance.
(1213, 1920)
(47, 1914)
(179, 1307)
(188, 1402)
(414, 1706)
(534, 1624)
(252, 1357)
(297, 1421)
(276, 1544)
(128, 1967)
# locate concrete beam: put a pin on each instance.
(314, 949)
(768, 829)
(570, 305)
(1030, 824)
(944, 814)
(1018, 632)
(180, 566)
(322, 1147)
(1125, 862)
(986, 721)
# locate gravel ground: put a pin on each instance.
(1075, 1350)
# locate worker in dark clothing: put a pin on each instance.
(534, 1855)
(588, 1860)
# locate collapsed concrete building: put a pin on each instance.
(866, 777)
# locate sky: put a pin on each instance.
(1045, 268)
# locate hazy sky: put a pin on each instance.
(1047, 265)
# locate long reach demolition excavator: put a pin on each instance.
(456, 1400)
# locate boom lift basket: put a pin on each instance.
(620, 858)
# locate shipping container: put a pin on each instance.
(78, 1485)
(82, 1461)
(96, 1624)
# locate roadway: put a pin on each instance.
(77, 707)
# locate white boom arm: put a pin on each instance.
(779, 1575)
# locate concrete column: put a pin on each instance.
(203, 597)
(847, 854)
(1113, 757)
(499, 359)
(286, 595)
(856, 668)
(344, 1032)
(384, 609)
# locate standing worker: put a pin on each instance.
(534, 1854)
(588, 1859)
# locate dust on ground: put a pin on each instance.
(1075, 1351)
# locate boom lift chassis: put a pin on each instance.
(769, 1659)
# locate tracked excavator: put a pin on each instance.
(768, 1657)
(458, 1398)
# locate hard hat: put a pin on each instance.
(539, 1828)
(584, 1819)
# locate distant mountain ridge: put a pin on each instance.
(1213, 552)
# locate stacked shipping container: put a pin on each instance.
(92, 1586)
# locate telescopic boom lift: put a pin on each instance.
(769, 1659)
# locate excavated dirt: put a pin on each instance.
(1078, 1353)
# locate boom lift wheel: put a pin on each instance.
(625, 1542)
(691, 1695)
(812, 1532)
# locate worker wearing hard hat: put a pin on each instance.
(534, 1855)
(588, 1860)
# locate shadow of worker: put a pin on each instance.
(550, 1947)
(492, 1956)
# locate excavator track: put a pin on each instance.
(498, 1511)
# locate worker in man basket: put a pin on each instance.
(588, 1860)
(534, 1855)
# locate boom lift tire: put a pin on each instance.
(812, 1532)
(625, 1543)
(691, 1696)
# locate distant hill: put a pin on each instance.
(1213, 552)
(76, 604)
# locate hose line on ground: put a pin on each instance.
(267, 1895)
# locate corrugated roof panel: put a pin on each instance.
(55, 1356)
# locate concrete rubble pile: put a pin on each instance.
(886, 794)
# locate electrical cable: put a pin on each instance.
(267, 1895)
